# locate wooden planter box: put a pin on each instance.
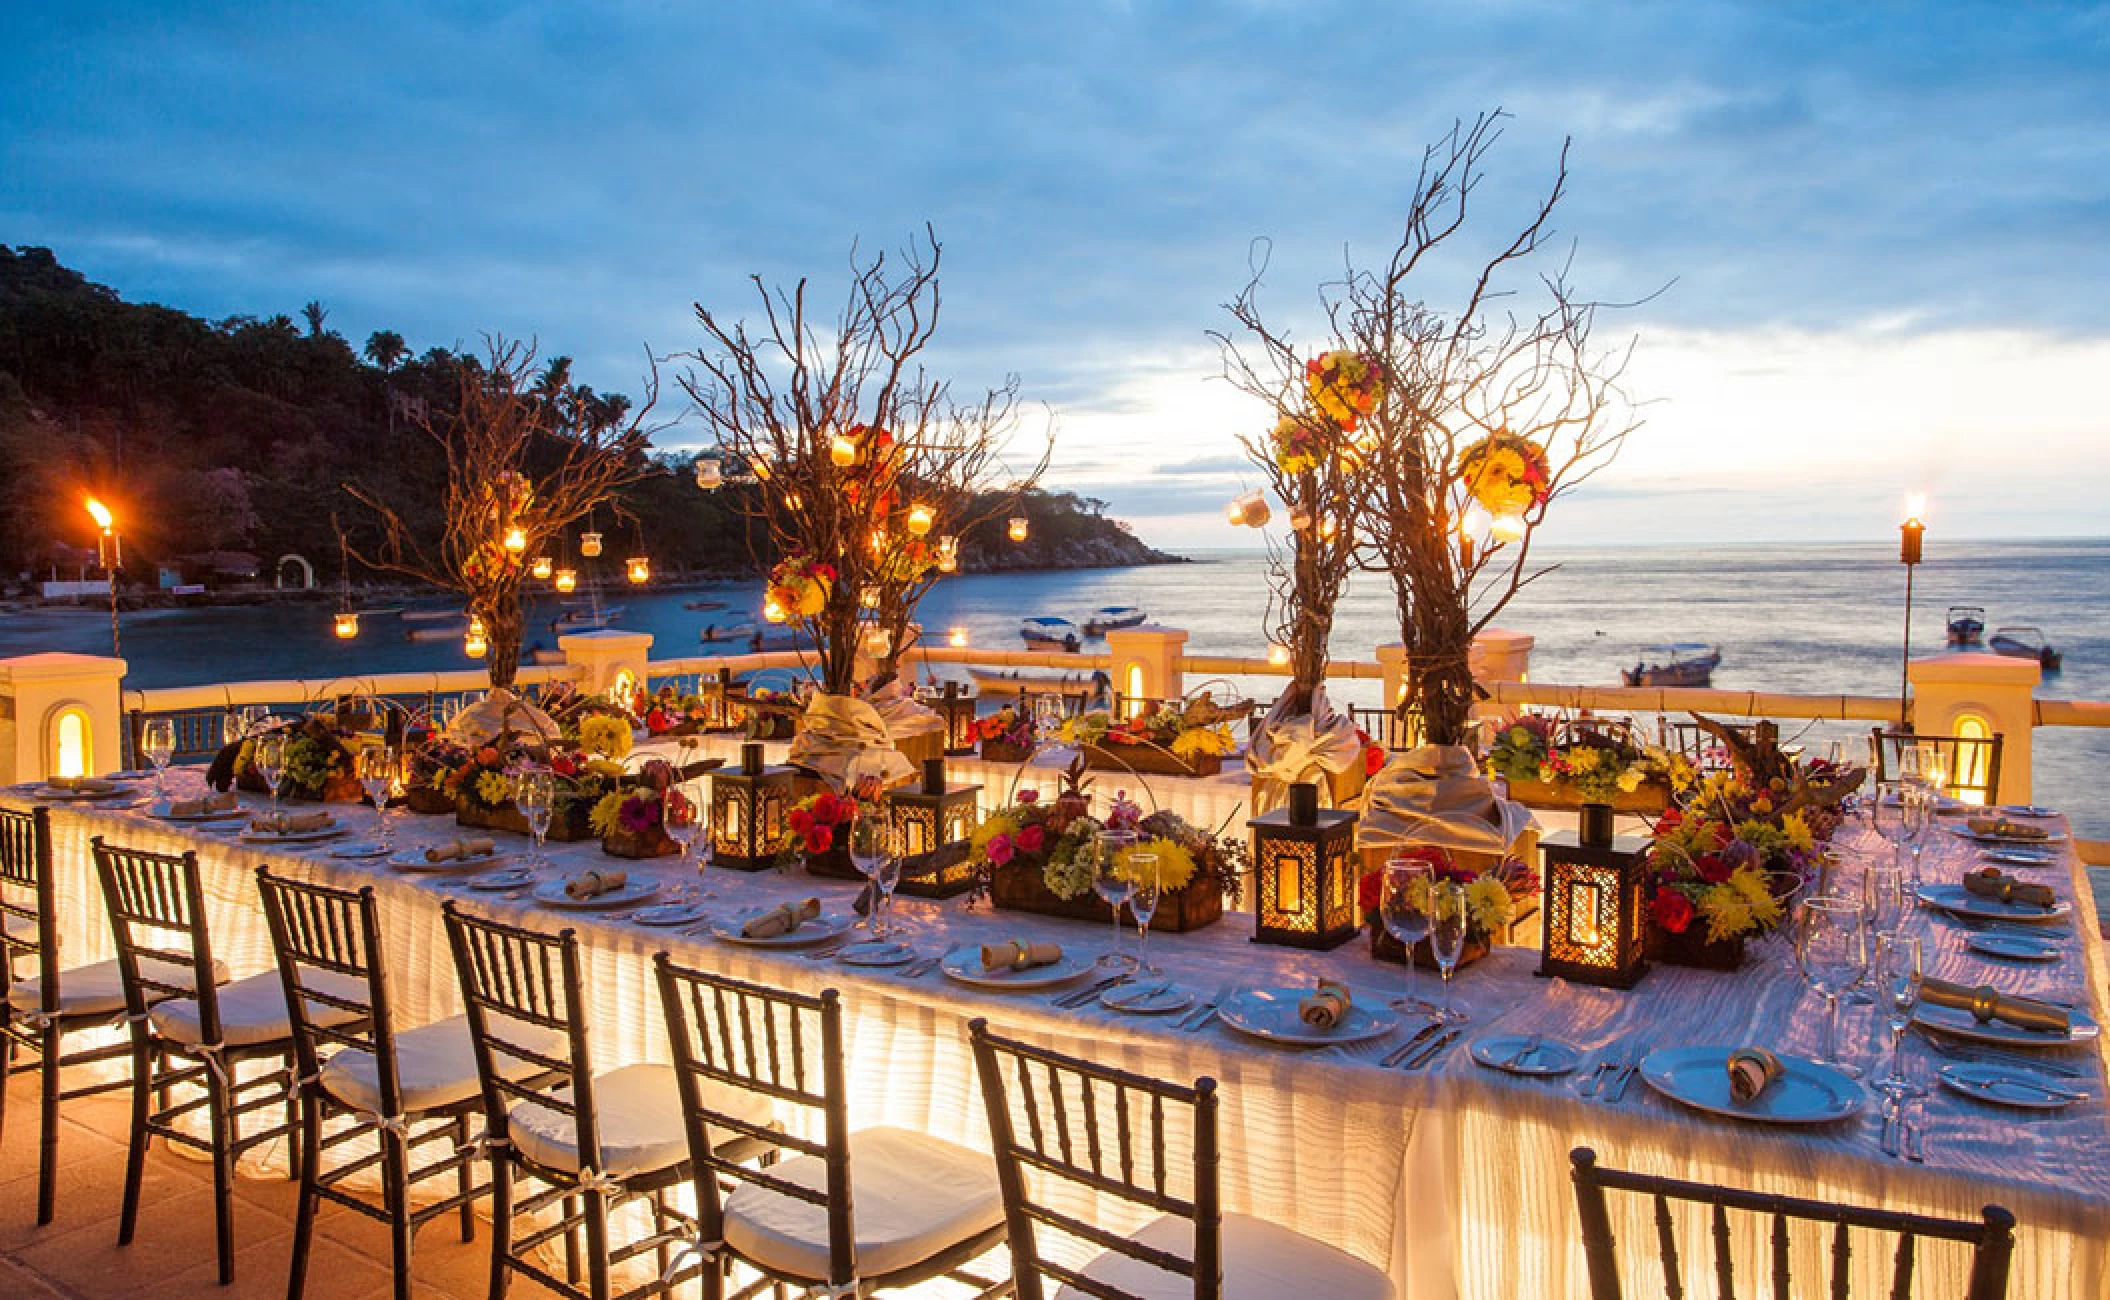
(1149, 760)
(1693, 948)
(917, 748)
(655, 843)
(422, 798)
(835, 864)
(1386, 948)
(997, 751)
(567, 825)
(1650, 797)
(1018, 887)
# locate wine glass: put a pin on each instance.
(1143, 903)
(1404, 907)
(1114, 887)
(1891, 812)
(1831, 948)
(1883, 898)
(378, 768)
(158, 743)
(872, 853)
(687, 827)
(535, 794)
(1919, 820)
(1933, 765)
(1898, 986)
(1447, 926)
(269, 758)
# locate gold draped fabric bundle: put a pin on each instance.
(1328, 1005)
(498, 712)
(782, 919)
(1293, 747)
(1436, 795)
(842, 739)
(901, 713)
(476, 846)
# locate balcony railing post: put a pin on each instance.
(608, 661)
(60, 715)
(1972, 693)
(1147, 662)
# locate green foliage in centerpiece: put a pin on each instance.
(1596, 765)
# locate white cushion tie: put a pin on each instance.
(703, 1252)
(593, 1180)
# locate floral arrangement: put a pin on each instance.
(1597, 765)
(1297, 444)
(1054, 836)
(1344, 385)
(483, 779)
(1492, 896)
(605, 735)
(1732, 857)
(1507, 474)
(818, 821)
(669, 710)
(1009, 725)
(650, 805)
(1374, 755)
(1187, 732)
(799, 587)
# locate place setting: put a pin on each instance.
(803, 923)
(1984, 1014)
(1753, 1083)
(1018, 965)
(595, 890)
(291, 828)
(1989, 894)
(467, 853)
(224, 806)
(2000, 830)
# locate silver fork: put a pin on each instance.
(825, 951)
(1206, 1012)
(1992, 1056)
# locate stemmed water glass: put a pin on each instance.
(535, 794)
(1890, 810)
(1919, 821)
(269, 757)
(1882, 911)
(1898, 986)
(1404, 907)
(1113, 884)
(1447, 926)
(1143, 869)
(158, 743)
(872, 852)
(1831, 948)
(379, 766)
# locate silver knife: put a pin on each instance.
(1078, 997)
(1419, 1037)
(1431, 1051)
(1625, 1077)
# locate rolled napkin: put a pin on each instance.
(593, 884)
(1017, 954)
(1985, 1003)
(474, 846)
(781, 920)
(2006, 829)
(291, 823)
(81, 784)
(212, 803)
(1750, 1070)
(1326, 1006)
(1994, 883)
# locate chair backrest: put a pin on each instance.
(317, 930)
(513, 977)
(731, 1037)
(200, 733)
(29, 923)
(1973, 762)
(1700, 747)
(1101, 1131)
(1991, 1238)
(156, 903)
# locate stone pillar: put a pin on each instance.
(1971, 693)
(1499, 655)
(608, 660)
(61, 715)
(1392, 663)
(1147, 662)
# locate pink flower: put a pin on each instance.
(1000, 849)
(638, 814)
(1032, 839)
(1029, 796)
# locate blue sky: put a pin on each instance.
(1888, 225)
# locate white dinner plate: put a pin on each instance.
(358, 849)
(821, 928)
(631, 894)
(1980, 837)
(49, 795)
(670, 914)
(1958, 901)
(1533, 1054)
(2014, 947)
(161, 812)
(1805, 1093)
(1959, 1023)
(2029, 810)
(414, 860)
(292, 837)
(2010, 1085)
(1271, 1014)
(965, 965)
(876, 953)
(2019, 857)
(510, 878)
(1147, 998)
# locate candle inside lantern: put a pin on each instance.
(589, 544)
(347, 625)
(567, 579)
(516, 539)
(640, 569)
(710, 476)
(1018, 528)
(920, 520)
(842, 451)
(541, 567)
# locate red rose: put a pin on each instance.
(1373, 759)
(824, 808)
(1032, 839)
(1671, 910)
(1712, 868)
(819, 840)
(1432, 855)
(1722, 835)
(656, 722)
(563, 765)
(801, 821)
(1029, 796)
(1669, 821)
(1370, 891)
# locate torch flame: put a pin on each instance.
(101, 514)
(1916, 506)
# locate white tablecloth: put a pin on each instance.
(1456, 1181)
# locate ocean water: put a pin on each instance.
(1799, 618)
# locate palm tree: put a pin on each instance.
(314, 313)
(386, 349)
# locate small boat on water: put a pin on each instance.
(437, 631)
(996, 681)
(2019, 642)
(703, 604)
(1966, 624)
(718, 633)
(579, 618)
(433, 615)
(1681, 663)
(753, 642)
(1050, 631)
(1112, 618)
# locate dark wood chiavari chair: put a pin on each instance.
(1991, 1239)
(594, 1142)
(1097, 1131)
(850, 1214)
(200, 733)
(406, 1091)
(199, 1040)
(1972, 763)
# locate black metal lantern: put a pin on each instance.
(750, 806)
(1304, 870)
(1594, 910)
(958, 711)
(932, 823)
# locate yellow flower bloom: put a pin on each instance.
(1799, 834)
(1175, 864)
(493, 788)
(1203, 742)
(604, 735)
(1488, 902)
(603, 816)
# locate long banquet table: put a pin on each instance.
(1455, 1180)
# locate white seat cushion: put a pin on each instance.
(99, 989)
(253, 1010)
(435, 1066)
(20, 928)
(911, 1197)
(638, 1110)
(1261, 1261)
